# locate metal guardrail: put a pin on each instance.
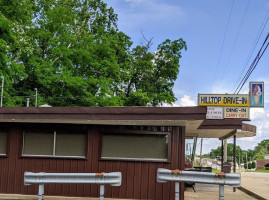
(221, 179)
(102, 179)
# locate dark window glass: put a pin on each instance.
(72, 144)
(38, 143)
(3, 143)
(135, 146)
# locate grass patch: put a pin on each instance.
(262, 171)
(216, 171)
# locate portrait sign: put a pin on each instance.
(256, 91)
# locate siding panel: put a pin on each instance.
(138, 178)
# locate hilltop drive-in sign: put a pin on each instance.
(237, 100)
(225, 106)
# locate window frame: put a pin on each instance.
(138, 132)
(7, 145)
(54, 148)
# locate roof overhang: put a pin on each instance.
(193, 118)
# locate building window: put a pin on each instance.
(54, 144)
(137, 145)
(3, 143)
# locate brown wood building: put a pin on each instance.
(133, 140)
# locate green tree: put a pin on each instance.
(262, 148)
(217, 153)
(74, 54)
(259, 156)
(152, 75)
(15, 18)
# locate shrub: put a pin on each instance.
(253, 165)
(266, 168)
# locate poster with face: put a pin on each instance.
(256, 94)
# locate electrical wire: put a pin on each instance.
(234, 44)
(263, 25)
(221, 49)
(253, 65)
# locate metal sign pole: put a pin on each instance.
(176, 190)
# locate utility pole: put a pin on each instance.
(201, 148)
(2, 91)
(247, 159)
(193, 151)
(27, 102)
(35, 97)
(239, 159)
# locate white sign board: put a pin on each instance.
(214, 113)
(236, 112)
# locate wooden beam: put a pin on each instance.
(228, 135)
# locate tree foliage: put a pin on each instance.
(217, 153)
(245, 155)
(74, 54)
(262, 148)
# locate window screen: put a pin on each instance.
(70, 144)
(3, 143)
(53, 143)
(38, 143)
(135, 146)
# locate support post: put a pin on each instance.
(221, 192)
(176, 190)
(234, 189)
(102, 192)
(40, 191)
(222, 155)
(225, 151)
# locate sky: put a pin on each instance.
(222, 38)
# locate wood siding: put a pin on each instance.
(138, 178)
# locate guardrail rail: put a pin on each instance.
(102, 179)
(221, 179)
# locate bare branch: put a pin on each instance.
(149, 42)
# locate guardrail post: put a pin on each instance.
(40, 191)
(176, 190)
(221, 192)
(102, 192)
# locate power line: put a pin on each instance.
(223, 42)
(234, 44)
(263, 25)
(253, 65)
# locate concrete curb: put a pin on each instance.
(251, 193)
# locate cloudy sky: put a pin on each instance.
(223, 38)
